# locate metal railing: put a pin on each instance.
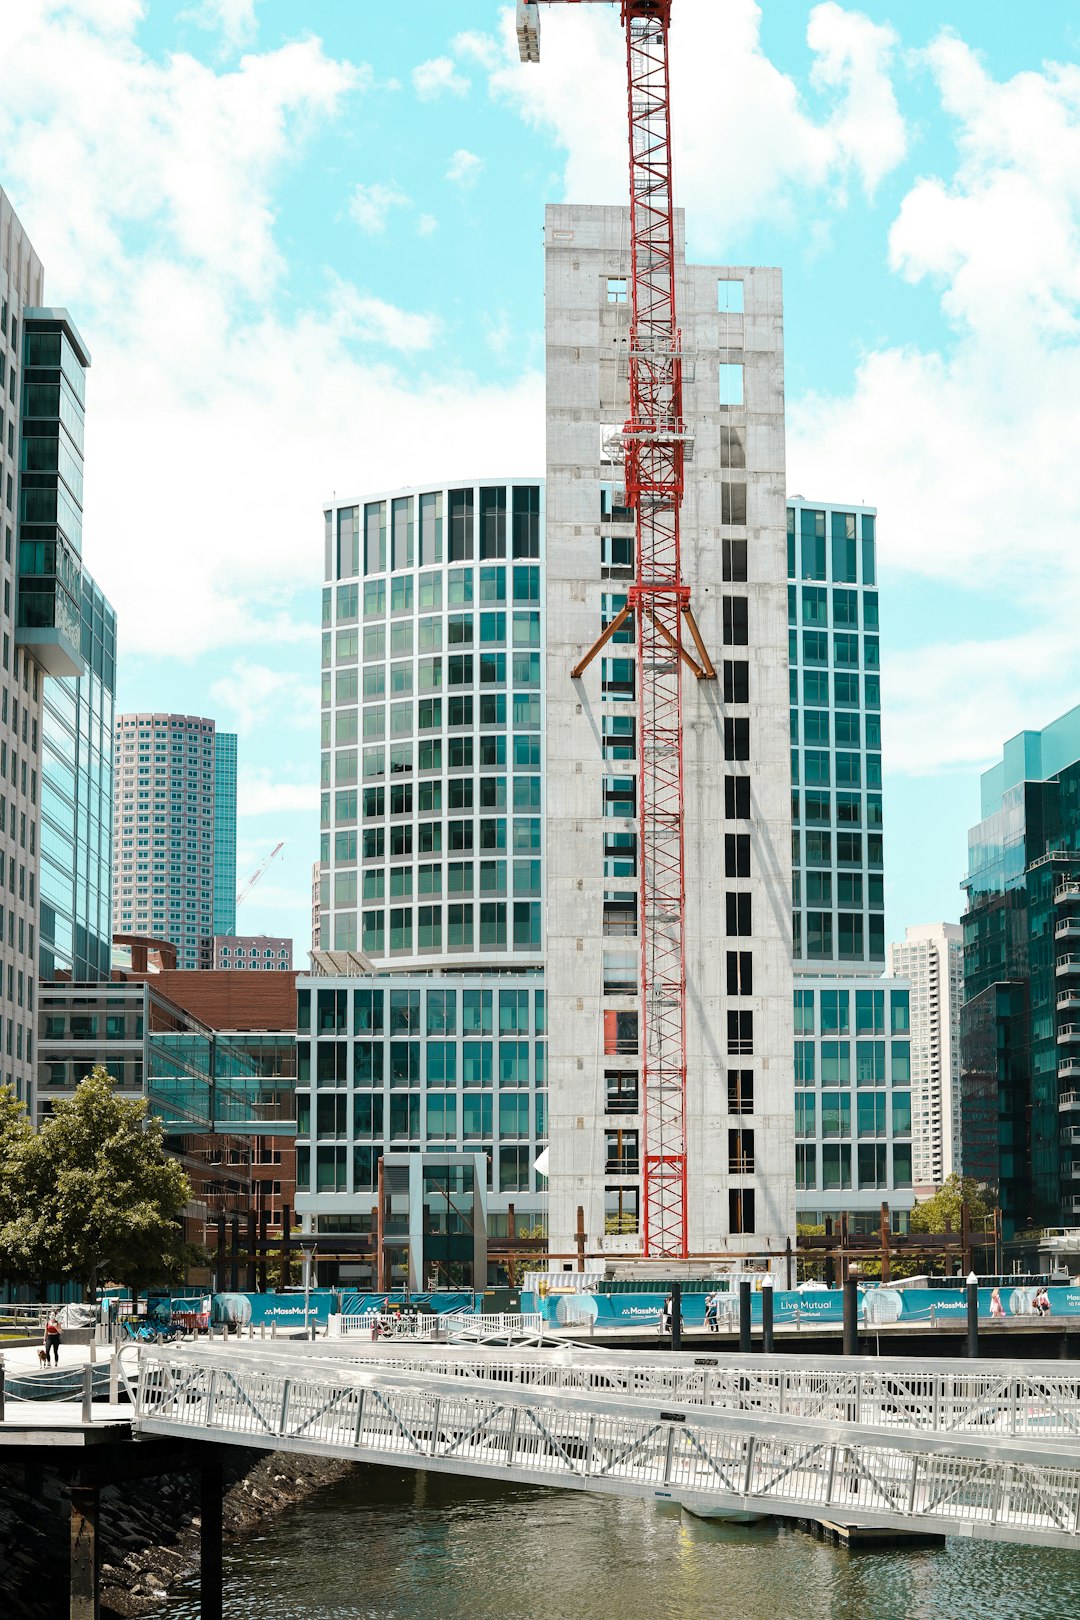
(979, 1484)
(1009, 1399)
(452, 1324)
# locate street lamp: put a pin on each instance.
(308, 1250)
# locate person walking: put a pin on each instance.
(52, 1339)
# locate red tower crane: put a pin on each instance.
(655, 443)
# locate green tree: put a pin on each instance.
(93, 1193)
(942, 1211)
(15, 1132)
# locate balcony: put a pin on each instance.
(1067, 965)
(1069, 1068)
(1067, 928)
(1068, 1000)
(1069, 1102)
(1067, 892)
(1068, 1034)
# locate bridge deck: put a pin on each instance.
(733, 1452)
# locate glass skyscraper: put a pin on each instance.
(833, 648)
(432, 725)
(75, 937)
(853, 1112)
(44, 614)
(225, 832)
(431, 875)
(1020, 1023)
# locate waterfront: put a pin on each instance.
(385, 1545)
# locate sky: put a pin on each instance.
(303, 243)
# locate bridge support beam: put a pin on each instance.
(211, 1564)
(767, 1345)
(85, 1592)
(851, 1315)
(745, 1340)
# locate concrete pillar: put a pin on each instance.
(676, 1316)
(211, 1572)
(85, 1594)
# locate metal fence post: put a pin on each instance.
(745, 1340)
(87, 1393)
(851, 1315)
(3, 1396)
(972, 1319)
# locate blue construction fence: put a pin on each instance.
(878, 1306)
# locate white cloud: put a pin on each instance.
(483, 48)
(969, 450)
(220, 414)
(252, 695)
(234, 18)
(258, 794)
(747, 145)
(427, 225)
(370, 205)
(465, 168)
(439, 77)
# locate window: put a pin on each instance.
(736, 680)
(734, 557)
(732, 448)
(620, 796)
(740, 973)
(740, 1091)
(621, 1092)
(736, 621)
(616, 289)
(740, 1210)
(733, 502)
(737, 798)
(737, 907)
(737, 854)
(736, 739)
(617, 679)
(740, 1033)
(731, 383)
(618, 738)
(740, 1152)
(729, 297)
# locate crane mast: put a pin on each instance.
(655, 446)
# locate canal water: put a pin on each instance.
(388, 1546)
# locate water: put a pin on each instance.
(384, 1545)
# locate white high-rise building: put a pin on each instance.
(740, 1184)
(932, 958)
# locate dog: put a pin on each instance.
(42, 1357)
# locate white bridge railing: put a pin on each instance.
(713, 1460)
(451, 1324)
(1005, 1398)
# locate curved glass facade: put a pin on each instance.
(432, 725)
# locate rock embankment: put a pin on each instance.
(149, 1530)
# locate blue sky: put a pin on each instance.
(304, 245)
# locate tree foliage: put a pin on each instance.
(943, 1211)
(14, 1134)
(92, 1193)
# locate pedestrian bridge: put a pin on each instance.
(979, 1449)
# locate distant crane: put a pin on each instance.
(246, 888)
(656, 445)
